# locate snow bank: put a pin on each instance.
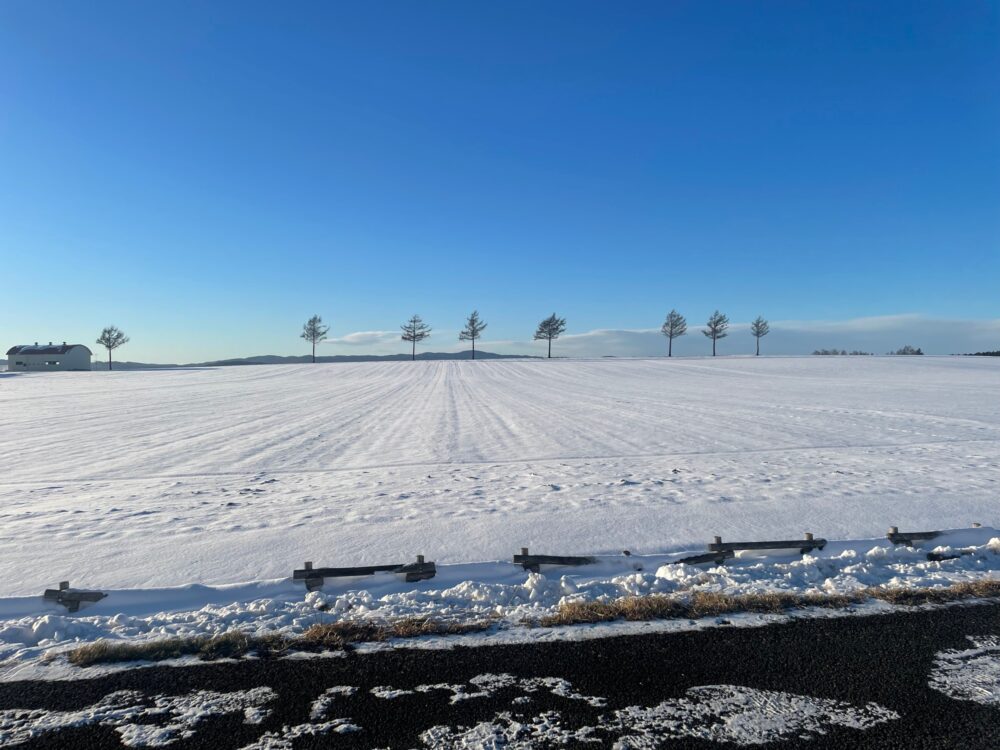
(474, 592)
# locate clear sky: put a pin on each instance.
(206, 175)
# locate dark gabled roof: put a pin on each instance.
(44, 349)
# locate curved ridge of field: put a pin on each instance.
(135, 479)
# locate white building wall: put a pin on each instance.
(77, 358)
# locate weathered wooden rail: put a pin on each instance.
(315, 577)
(534, 562)
(718, 552)
(708, 557)
(909, 537)
(807, 544)
(71, 599)
(418, 571)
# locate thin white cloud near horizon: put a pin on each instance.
(365, 338)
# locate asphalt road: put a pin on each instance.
(913, 680)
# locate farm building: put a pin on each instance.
(44, 357)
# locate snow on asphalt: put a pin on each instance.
(168, 487)
(718, 713)
(723, 713)
(129, 711)
(970, 674)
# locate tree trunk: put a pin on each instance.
(550, 348)
(314, 352)
(109, 359)
(758, 347)
(413, 354)
(670, 346)
(473, 348)
(713, 346)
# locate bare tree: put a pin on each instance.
(715, 328)
(550, 328)
(473, 330)
(674, 327)
(415, 330)
(111, 338)
(759, 328)
(314, 331)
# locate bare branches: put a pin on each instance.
(674, 327)
(314, 331)
(415, 330)
(549, 329)
(715, 328)
(759, 328)
(473, 330)
(111, 338)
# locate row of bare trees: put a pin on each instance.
(551, 328)
(415, 330)
(717, 327)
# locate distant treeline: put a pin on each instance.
(905, 350)
(985, 354)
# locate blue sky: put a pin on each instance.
(207, 175)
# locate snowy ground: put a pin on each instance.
(133, 481)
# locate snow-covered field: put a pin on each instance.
(143, 480)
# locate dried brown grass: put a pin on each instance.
(336, 636)
(413, 627)
(982, 589)
(713, 604)
(223, 646)
(332, 636)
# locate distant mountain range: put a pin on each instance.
(274, 359)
